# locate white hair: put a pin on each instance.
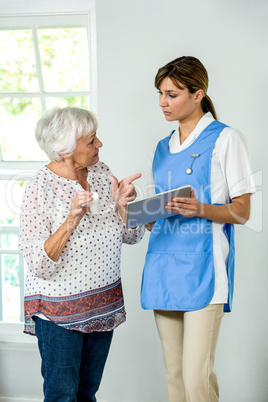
(58, 130)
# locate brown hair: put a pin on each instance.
(189, 72)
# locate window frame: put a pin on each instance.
(12, 333)
(18, 21)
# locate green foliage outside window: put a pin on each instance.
(64, 65)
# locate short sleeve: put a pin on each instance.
(235, 164)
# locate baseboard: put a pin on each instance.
(8, 399)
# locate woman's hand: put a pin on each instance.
(77, 210)
(55, 244)
(123, 192)
(187, 207)
(238, 211)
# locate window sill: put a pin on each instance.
(12, 337)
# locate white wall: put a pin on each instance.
(135, 38)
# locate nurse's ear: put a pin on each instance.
(199, 95)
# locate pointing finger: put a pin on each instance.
(131, 178)
(114, 183)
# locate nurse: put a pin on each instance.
(188, 276)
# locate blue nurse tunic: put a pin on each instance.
(179, 267)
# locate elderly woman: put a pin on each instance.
(73, 292)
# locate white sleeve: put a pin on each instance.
(134, 235)
(35, 228)
(235, 164)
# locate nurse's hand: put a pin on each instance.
(238, 211)
(187, 207)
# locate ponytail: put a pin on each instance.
(207, 106)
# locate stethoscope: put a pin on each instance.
(189, 170)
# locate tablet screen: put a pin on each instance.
(152, 208)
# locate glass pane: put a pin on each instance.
(9, 241)
(18, 117)
(10, 203)
(64, 59)
(11, 288)
(63, 102)
(17, 67)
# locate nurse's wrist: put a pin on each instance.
(200, 210)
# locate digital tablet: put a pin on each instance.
(151, 209)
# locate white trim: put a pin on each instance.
(30, 7)
(92, 51)
(19, 21)
(39, 68)
(71, 94)
(9, 399)
(9, 251)
(22, 165)
(11, 333)
(20, 174)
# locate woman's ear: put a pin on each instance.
(199, 95)
(63, 155)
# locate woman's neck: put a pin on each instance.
(69, 170)
(187, 126)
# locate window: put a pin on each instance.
(46, 60)
(42, 65)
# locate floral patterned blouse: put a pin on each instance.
(81, 290)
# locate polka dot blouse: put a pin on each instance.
(82, 289)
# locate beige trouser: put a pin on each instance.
(189, 342)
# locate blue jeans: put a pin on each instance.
(72, 362)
